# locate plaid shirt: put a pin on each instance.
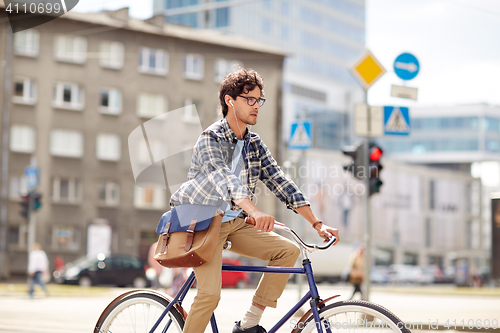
(210, 178)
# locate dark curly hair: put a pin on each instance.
(240, 81)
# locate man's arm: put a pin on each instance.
(322, 229)
(265, 222)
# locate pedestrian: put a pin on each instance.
(179, 276)
(227, 162)
(58, 263)
(356, 273)
(38, 264)
(155, 266)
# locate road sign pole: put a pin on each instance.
(367, 70)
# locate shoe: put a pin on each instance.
(254, 329)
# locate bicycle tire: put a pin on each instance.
(138, 312)
(350, 316)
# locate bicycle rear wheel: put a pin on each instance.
(138, 312)
(354, 316)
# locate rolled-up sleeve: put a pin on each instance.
(274, 178)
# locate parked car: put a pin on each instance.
(234, 279)
(405, 274)
(379, 274)
(118, 270)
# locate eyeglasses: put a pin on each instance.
(251, 100)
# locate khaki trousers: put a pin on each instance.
(247, 241)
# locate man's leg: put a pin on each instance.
(209, 283)
(277, 250)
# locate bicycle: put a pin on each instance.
(152, 311)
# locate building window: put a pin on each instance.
(68, 96)
(266, 26)
(157, 150)
(66, 238)
(111, 54)
(222, 17)
(428, 232)
(71, 49)
(150, 105)
(193, 66)
(108, 147)
(18, 236)
(66, 190)
(27, 43)
(17, 187)
(432, 195)
(110, 101)
(66, 143)
(24, 91)
(223, 67)
(149, 198)
(192, 111)
(22, 139)
(109, 193)
(153, 61)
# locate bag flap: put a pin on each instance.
(180, 218)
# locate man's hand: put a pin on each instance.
(329, 232)
(263, 221)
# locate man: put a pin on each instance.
(227, 162)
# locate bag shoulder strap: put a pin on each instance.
(190, 235)
(164, 239)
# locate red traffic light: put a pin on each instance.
(376, 154)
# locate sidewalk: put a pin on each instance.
(19, 289)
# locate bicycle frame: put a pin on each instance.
(311, 295)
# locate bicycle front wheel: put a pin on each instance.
(138, 312)
(354, 316)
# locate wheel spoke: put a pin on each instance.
(138, 313)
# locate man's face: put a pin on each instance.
(244, 112)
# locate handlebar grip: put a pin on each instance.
(250, 220)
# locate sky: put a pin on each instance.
(457, 44)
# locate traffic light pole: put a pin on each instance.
(31, 222)
(368, 226)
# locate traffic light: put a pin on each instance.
(37, 204)
(25, 206)
(356, 166)
(375, 154)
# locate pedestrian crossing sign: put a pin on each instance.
(300, 135)
(396, 120)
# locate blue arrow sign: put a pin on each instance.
(406, 66)
(31, 177)
(396, 120)
(300, 135)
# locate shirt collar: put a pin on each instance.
(229, 134)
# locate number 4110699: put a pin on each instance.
(471, 324)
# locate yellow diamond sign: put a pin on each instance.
(367, 69)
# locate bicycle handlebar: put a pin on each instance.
(309, 247)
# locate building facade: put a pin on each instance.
(465, 138)
(81, 84)
(461, 134)
(422, 215)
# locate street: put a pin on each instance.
(77, 314)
